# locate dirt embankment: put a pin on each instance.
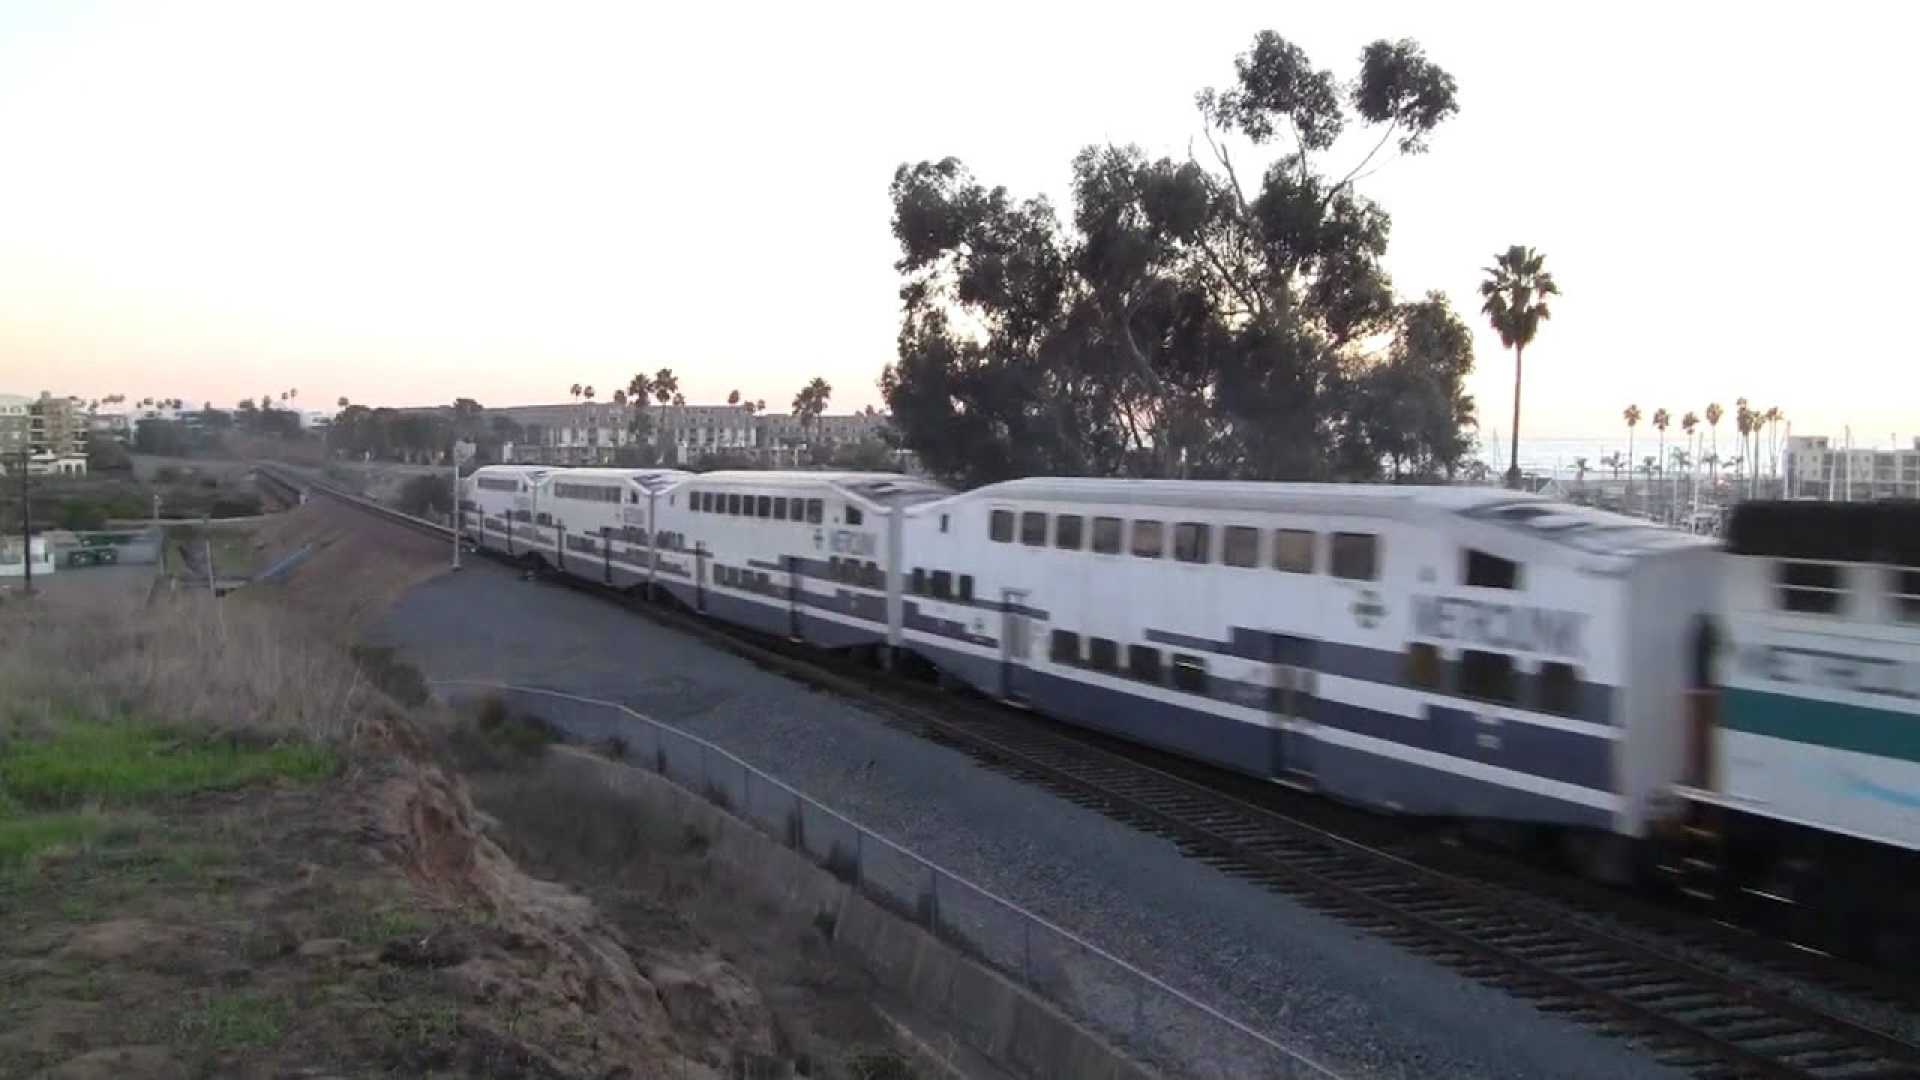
(226, 849)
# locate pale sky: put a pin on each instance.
(407, 202)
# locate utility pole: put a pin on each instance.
(26, 523)
(453, 459)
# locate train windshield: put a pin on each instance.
(1594, 531)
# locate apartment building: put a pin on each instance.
(1816, 468)
(15, 420)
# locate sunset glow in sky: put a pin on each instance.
(402, 203)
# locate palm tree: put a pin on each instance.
(1632, 417)
(811, 401)
(1714, 413)
(1580, 468)
(1773, 418)
(665, 385)
(733, 397)
(1661, 418)
(1745, 422)
(1514, 301)
(1687, 423)
(679, 399)
(342, 402)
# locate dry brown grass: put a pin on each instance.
(180, 660)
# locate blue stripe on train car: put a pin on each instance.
(1345, 772)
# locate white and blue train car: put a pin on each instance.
(1441, 651)
(801, 554)
(596, 524)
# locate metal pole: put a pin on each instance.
(453, 457)
(26, 522)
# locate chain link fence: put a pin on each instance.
(1148, 1019)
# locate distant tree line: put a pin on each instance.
(1187, 320)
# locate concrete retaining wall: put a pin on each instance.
(995, 1016)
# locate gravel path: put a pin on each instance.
(1353, 1002)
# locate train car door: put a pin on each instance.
(1014, 632)
(793, 598)
(1294, 687)
(700, 577)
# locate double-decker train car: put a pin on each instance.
(1806, 793)
(802, 554)
(1444, 651)
(597, 524)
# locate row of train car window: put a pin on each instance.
(940, 584)
(1494, 677)
(495, 484)
(1352, 555)
(775, 507)
(1484, 676)
(591, 492)
(1188, 673)
(1822, 588)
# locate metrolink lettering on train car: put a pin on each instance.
(1509, 627)
(1817, 667)
(846, 541)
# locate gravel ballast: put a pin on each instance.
(1353, 1002)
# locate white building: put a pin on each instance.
(13, 566)
(1816, 468)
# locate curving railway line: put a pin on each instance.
(1709, 1022)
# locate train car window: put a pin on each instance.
(779, 508)
(1240, 546)
(919, 586)
(633, 497)
(833, 568)
(695, 503)
(1192, 542)
(1147, 539)
(875, 580)
(1491, 571)
(1424, 668)
(1488, 676)
(1293, 550)
(543, 518)
(1557, 689)
(765, 507)
(1189, 673)
(1067, 531)
(1033, 528)
(1065, 648)
(1143, 663)
(1906, 594)
(1102, 654)
(966, 586)
(816, 511)
(943, 523)
(1810, 587)
(1000, 526)
(943, 585)
(1356, 556)
(1106, 535)
(733, 503)
(853, 515)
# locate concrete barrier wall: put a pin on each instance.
(990, 1013)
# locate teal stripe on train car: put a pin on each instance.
(1881, 732)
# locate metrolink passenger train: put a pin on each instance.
(1453, 652)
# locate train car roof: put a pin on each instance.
(875, 487)
(1867, 532)
(1595, 531)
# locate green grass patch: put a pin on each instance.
(124, 763)
(23, 837)
(236, 1021)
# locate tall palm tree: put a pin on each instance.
(1514, 298)
(1714, 413)
(342, 402)
(811, 401)
(1580, 468)
(733, 397)
(1745, 422)
(1687, 423)
(1632, 416)
(1661, 418)
(665, 385)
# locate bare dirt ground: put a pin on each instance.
(227, 849)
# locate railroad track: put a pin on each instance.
(1707, 1022)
